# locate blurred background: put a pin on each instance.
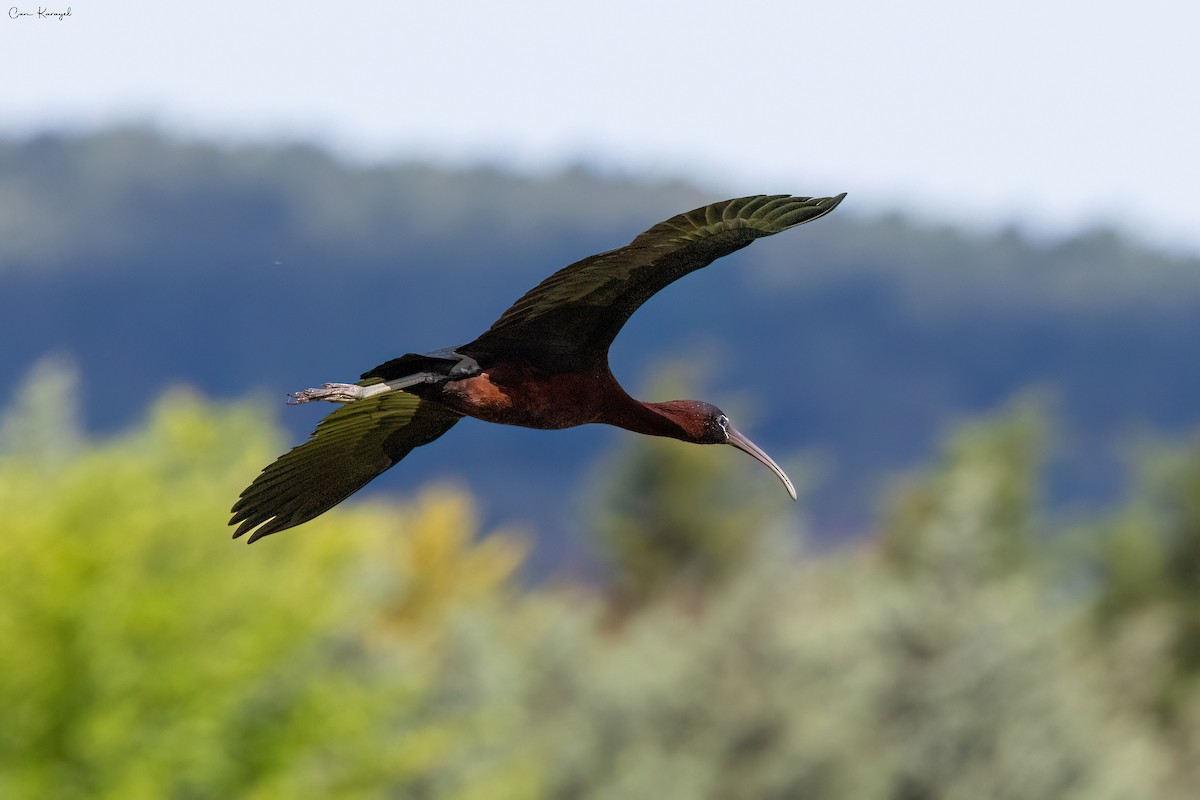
(981, 367)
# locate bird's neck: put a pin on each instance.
(652, 419)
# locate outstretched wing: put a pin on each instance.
(348, 448)
(570, 319)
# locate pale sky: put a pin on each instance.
(1053, 115)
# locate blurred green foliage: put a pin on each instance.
(390, 651)
(142, 654)
(676, 518)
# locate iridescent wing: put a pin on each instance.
(349, 448)
(569, 320)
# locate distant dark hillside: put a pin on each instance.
(265, 269)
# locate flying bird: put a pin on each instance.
(542, 364)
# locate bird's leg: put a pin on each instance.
(330, 392)
(349, 392)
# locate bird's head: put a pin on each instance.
(704, 423)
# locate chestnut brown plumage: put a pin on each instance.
(542, 364)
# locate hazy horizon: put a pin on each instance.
(1053, 118)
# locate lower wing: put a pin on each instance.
(346, 451)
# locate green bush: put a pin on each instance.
(144, 654)
(387, 651)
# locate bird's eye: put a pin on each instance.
(723, 421)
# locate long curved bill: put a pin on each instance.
(742, 443)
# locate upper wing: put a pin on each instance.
(349, 447)
(570, 319)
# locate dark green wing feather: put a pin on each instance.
(569, 320)
(348, 448)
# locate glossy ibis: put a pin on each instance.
(543, 364)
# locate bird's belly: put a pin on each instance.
(548, 404)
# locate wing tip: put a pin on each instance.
(835, 201)
(258, 534)
(260, 526)
(253, 521)
(244, 525)
(799, 210)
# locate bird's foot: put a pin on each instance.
(329, 392)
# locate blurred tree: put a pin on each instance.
(1148, 563)
(442, 567)
(385, 652)
(145, 655)
(44, 424)
(975, 515)
(952, 668)
(676, 517)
